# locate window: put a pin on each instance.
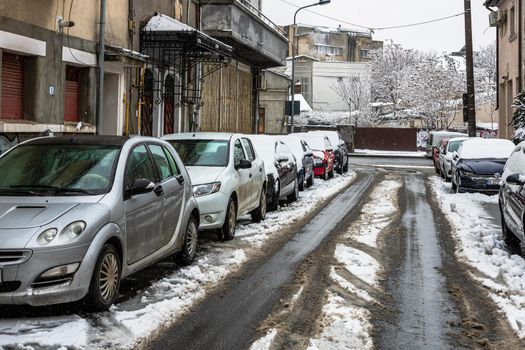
(173, 163)
(329, 50)
(162, 163)
(512, 23)
(202, 152)
(139, 166)
(238, 153)
(12, 86)
(365, 53)
(249, 149)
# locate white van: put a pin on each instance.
(436, 136)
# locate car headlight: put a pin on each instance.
(202, 190)
(47, 236)
(72, 231)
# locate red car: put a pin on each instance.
(323, 151)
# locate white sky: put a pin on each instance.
(445, 36)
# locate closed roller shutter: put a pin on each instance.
(71, 92)
(12, 86)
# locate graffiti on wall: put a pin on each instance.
(6, 142)
(422, 139)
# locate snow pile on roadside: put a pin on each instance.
(265, 342)
(309, 199)
(480, 243)
(349, 327)
(376, 214)
(345, 322)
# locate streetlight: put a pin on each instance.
(294, 53)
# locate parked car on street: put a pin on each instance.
(437, 154)
(79, 214)
(305, 160)
(340, 149)
(447, 155)
(323, 154)
(479, 165)
(512, 197)
(228, 178)
(435, 136)
(281, 169)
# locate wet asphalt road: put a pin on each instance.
(229, 319)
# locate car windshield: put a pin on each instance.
(202, 152)
(57, 169)
(453, 146)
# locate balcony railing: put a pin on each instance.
(255, 10)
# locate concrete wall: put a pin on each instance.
(272, 97)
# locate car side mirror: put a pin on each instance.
(309, 154)
(243, 164)
(515, 179)
(455, 156)
(281, 158)
(139, 186)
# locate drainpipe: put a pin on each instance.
(101, 46)
(520, 45)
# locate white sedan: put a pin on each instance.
(228, 178)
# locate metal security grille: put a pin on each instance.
(71, 93)
(169, 106)
(12, 86)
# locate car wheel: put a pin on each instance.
(453, 184)
(345, 168)
(230, 222)
(189, 246)
(326, 176)
(105, 281)
(331, 173)
(310, 181)
(259, 214)
(295, 194)
(301, 183)
(340, 169)
(274, 202)
(509, 237)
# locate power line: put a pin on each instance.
(373, 29)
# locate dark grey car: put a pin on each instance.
(79, 214)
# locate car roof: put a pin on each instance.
(200, 136)
(80, 140)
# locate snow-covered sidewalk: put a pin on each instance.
(133, 321)
(481, 245)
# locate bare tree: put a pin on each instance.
(355, 93)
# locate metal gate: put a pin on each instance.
(12, 86)
(146, 122)
(386, 139)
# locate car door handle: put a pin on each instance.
(250, 175)
(180, 179)
(159, 191)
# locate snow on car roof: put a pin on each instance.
(199, 136)
(486, 148)
(265, 147)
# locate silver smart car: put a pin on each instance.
(78, 214)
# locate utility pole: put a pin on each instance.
(471, 93)
(101, 47)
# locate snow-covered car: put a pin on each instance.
(479, 165)
(281, 169)
(323, 154)
(446, 157)
(79, 214)
(512, 197)
(339, 148)
(305, 159)
(228, 178)
(435, 136)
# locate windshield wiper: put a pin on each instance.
(55, 189)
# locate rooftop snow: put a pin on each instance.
(162, 22)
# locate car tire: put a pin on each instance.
(510, 239)
(259, 214)
(274, 203)
(340, 168)
(103, 293)
(295, 194)
(331, 173)
(454, 186)
(230, 221)
(345, 168)
(310, 181)
(188, 251)
(301, 183)
(326, 176)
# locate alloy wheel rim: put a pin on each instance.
(231, 219)
(108, 277)
(191, 243)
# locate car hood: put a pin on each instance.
(204, 174)
(22, 216)
(483, 166)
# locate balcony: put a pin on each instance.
(255, 39)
